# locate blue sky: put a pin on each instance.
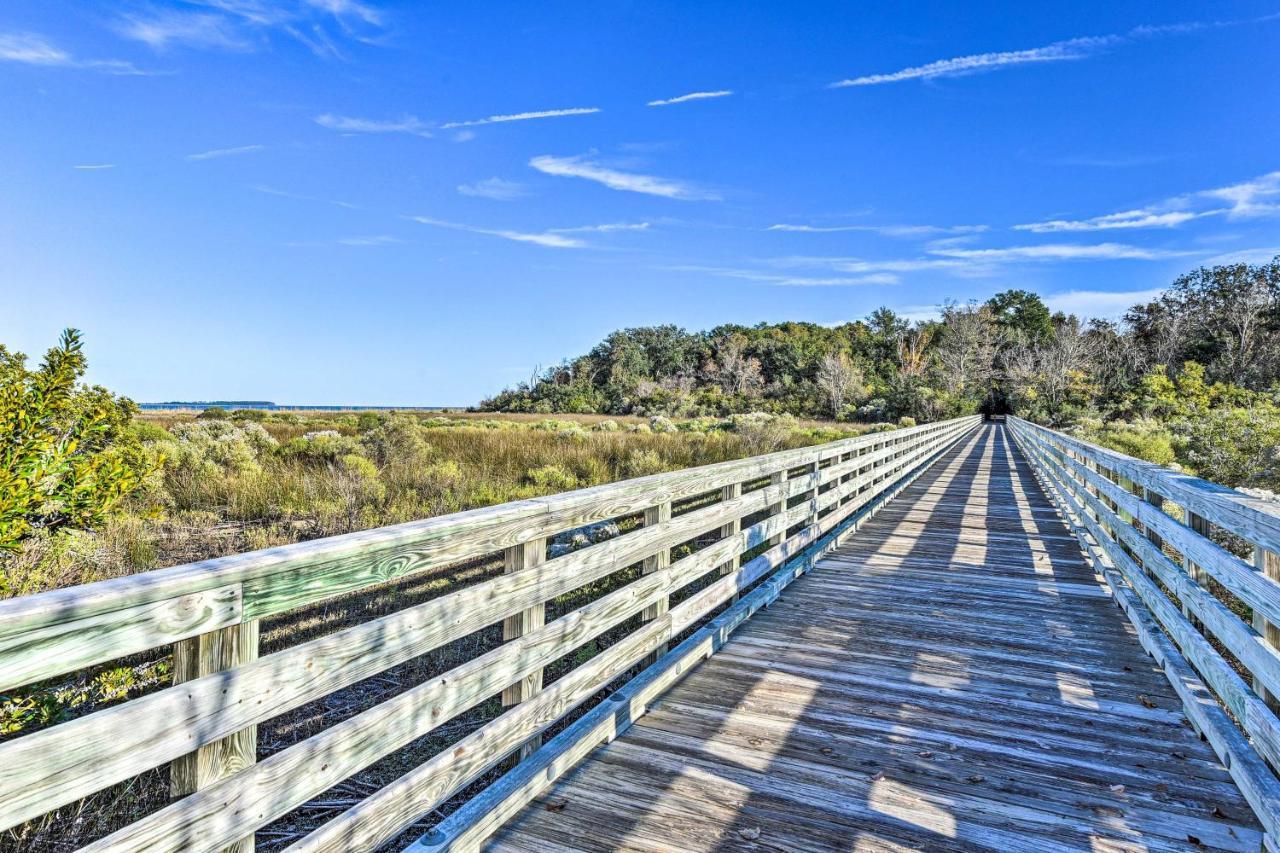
(318, 201)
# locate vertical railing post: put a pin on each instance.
(517, 558)
(656, 563)
(731, 492)
(1200, 525)
(206, 654)
(1267, 562)
(777, 478)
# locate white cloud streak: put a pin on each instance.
(548, 239)
(376, 240)
(575, 111)
(349, 124)
(607, 228)
(790, 280)
(1061, 51)
(1257, 197)
(1249, 199)
(578, 167)
(32, 49)
(1061, 252)
(884, 230)
(259, 188)
(164, 30)
(692, 96)
(244, 25)
(494, 188)
(94, 167)
(1141, 218)
(215, 153)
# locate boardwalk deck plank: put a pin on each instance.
(953, 677)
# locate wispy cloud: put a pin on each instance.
(1141, 218)
(789, 280)
(1257, 197)
(245, 25)
(548, 239)
(692, 96)
(215, 153)
(259, 188)
(494, 188)
(1260, 255)
(349, 124)
(1061, 51)
(164, 29)
(32, 49)
(607, 228)
(94, 167)
(574, 111)
(1253, 198)
(614, 179)
(1103, 304)
(1062, 252)
(884, 230)
(376, 240)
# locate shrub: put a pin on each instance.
(397, 440)
(606, 426)
(662, 424)
(214, 413)
(551, 478)
(322, 446)
(762, 432)
(641, 463)
(65, 461)
(906, 421)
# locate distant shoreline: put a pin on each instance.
(182, 406)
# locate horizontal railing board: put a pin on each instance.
(1241, 578)
(65, 647)
(1153, 614)
(60, 620)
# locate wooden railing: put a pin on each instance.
(779, 511)
(1167, 543)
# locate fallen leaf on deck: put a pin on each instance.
(1147, 701)
(975, 778)
(1117, 789)
(750, 833)
(557, 805)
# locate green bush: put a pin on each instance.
(66, 460)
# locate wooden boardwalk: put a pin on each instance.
(954, 677)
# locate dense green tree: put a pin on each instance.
(65, 461)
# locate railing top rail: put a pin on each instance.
(1252, 518)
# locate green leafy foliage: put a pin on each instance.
(66, 455)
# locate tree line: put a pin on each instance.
(1007, 354)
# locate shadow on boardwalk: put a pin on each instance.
(952, 678)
